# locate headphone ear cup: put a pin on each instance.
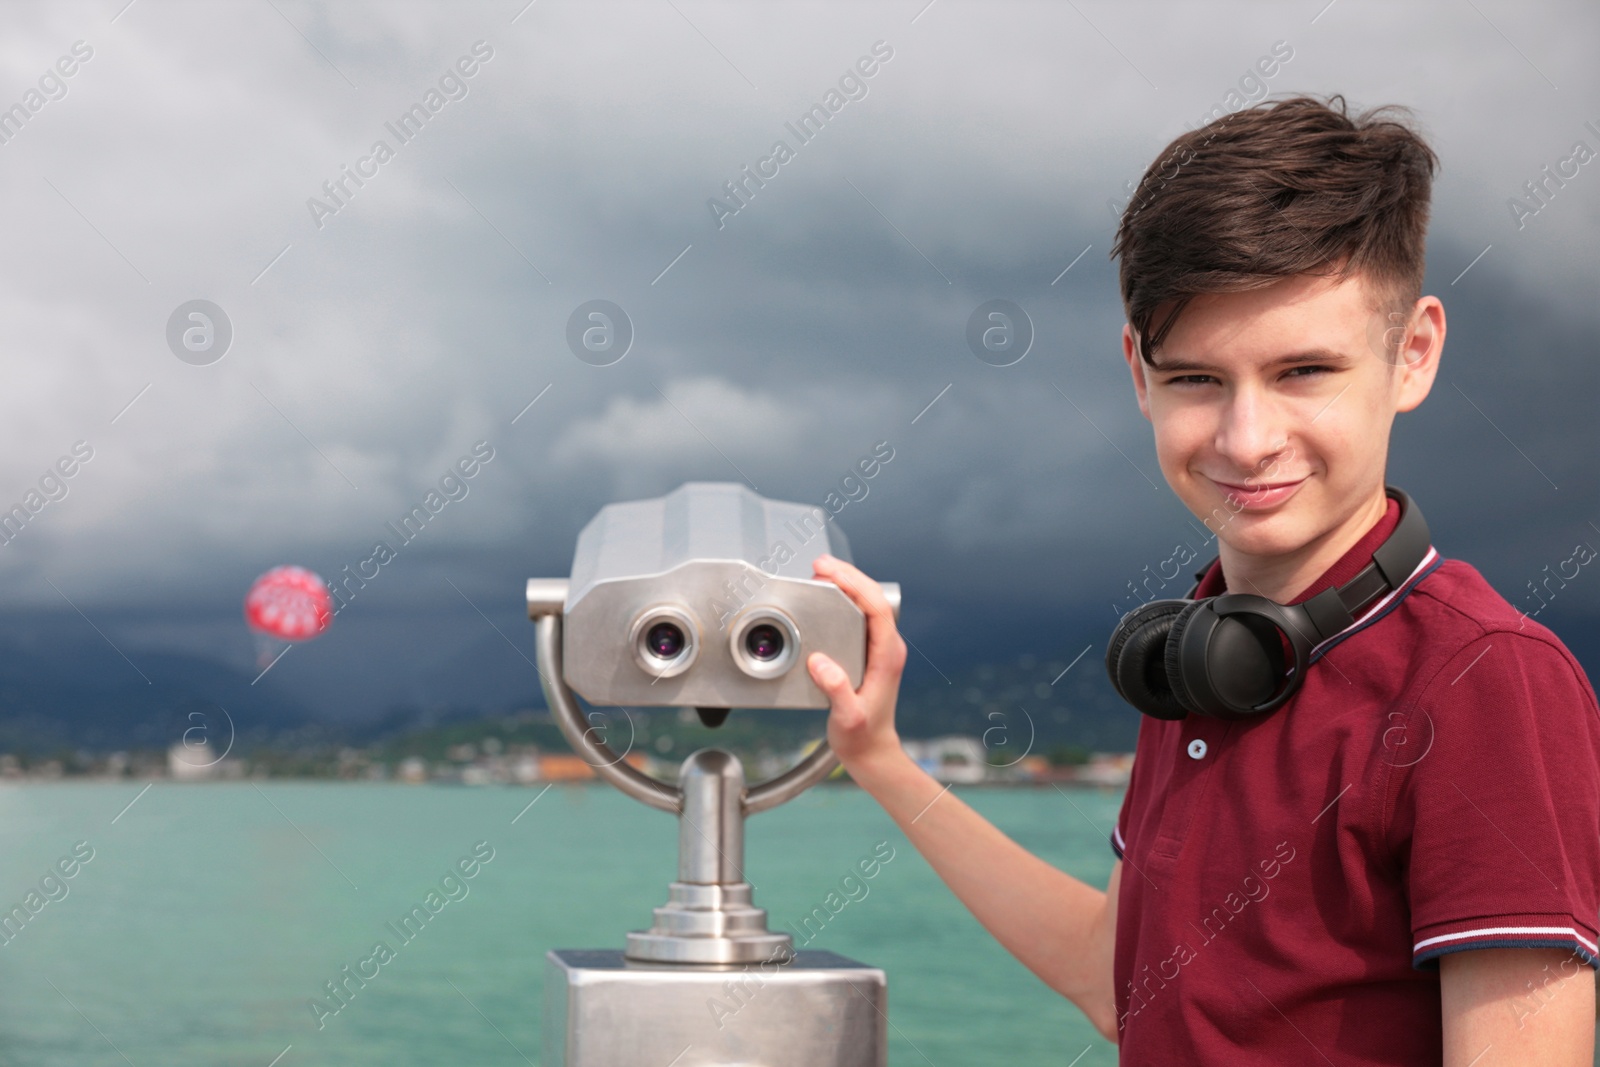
(1172, 657)
(1135, 658)
(1127, 626)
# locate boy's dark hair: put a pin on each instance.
(1286, 187)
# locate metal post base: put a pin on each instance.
(818, 1010)
(709, 924)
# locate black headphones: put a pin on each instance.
(1221, 655)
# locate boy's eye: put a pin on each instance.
(1308, 371)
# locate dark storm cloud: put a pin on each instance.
(982, 159)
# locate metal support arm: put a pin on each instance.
(595, 752)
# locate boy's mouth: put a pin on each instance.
(1259, 496)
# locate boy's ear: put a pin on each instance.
(1136, 366)
(1420, 352)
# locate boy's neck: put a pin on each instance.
(1284, 577)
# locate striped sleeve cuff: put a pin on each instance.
(1504, 931)
(1117, 843)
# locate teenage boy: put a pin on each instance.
(1400, 864)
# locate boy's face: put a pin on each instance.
(1272, 408)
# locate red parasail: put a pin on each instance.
(289, 603)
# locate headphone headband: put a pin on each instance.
(1335, 610)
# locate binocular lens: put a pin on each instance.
(765, 644)
(764, 641)
(665, 640)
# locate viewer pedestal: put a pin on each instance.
(818, 1010)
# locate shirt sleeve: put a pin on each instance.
(1497, 822)
(1118, 842)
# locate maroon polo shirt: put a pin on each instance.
(1289, 882)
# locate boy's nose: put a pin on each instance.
(1250, 437)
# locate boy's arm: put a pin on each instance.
(1514, 1006)
(1060, 928)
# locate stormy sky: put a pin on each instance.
(382, 328)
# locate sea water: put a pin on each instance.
(213, 918)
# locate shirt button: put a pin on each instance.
(1197, 749)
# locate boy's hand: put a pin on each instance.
(861, 722)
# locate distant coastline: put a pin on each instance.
(490, 761)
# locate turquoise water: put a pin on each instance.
(211, 914)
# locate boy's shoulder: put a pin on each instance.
(1456, 611)
(1461, 603)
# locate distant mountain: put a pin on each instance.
(59, 692)
(73, 695)
(1029, 697)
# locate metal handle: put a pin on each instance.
(636, 784)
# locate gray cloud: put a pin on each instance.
(429, 311)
